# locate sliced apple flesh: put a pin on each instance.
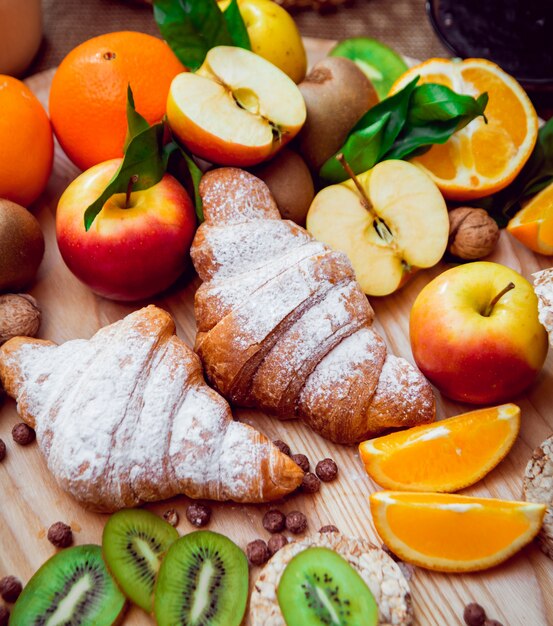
(237, 109)
(405, 227)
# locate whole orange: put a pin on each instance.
(89, 92)
(26, 143)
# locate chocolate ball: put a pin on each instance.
(23, 434)
(296, 522)
(329, 528)
(198, 514)
(326, 470)
(257, 552)
(274, 521)
(474, 615)
(302, 461)
(60, 535)
(10, 588)
(310, 483)
(283, 447)
(276, 542)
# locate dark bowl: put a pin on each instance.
(515, 34)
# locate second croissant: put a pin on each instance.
(284, 326)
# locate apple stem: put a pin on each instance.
(379, 224)
(132, 181)
(489, 308)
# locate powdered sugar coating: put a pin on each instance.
(269, 334)
(126, 417)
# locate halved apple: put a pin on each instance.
(237, 109)
(405, 226)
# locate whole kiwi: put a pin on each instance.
(290, 182)
(21, 246)
(337, 94)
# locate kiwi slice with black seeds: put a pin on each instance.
(203, 581)
(134, 543)
(319, 587)
(73, 588)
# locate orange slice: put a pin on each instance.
(533, 225)
(481, 158)
(450, 533)
(443, 456)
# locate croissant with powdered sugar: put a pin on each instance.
(126, 417)
(284, 326)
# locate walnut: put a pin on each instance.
(19, 315)
(473, 234)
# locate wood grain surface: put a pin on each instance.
(518, 593)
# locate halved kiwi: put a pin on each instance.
(134, 543)
(319, 586)
(381, 64)
(203, 580)
(72, 588)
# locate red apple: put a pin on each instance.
(475, 333)
(128, 253)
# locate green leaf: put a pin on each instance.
(403, 125)
(135, 122)
(435, 113)
(361, 151)
(372, 136)
(196, 175)
(416, 137)
(183, 167)
(396, 107)
(193, 27)
(433, 103)
(236, 26)
(144, 159)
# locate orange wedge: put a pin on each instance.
(533, 225)
(450, 533)
(481, 158)
(443, 456)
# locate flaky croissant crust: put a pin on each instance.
(284, 326)
(126, 417)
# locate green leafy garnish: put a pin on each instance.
(236, 26)
(403, 125)
(145, 162)
(135, 122)
(193, 27)
(536, 175)
(183, 167)
(143, 159)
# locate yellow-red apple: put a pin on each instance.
(128, 253)
(475, 333)
(397, 225)
(237, 109)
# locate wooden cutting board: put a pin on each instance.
(518, 593)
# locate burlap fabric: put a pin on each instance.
(400, 23)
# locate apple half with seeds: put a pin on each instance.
(237, 109)
(391, 221)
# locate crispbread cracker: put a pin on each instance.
(538, 487)
(381, 574)
(543, 286)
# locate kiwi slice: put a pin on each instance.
(379, 62)
(320, 587)
(70, 589)
(134, 543)
(203, 581)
